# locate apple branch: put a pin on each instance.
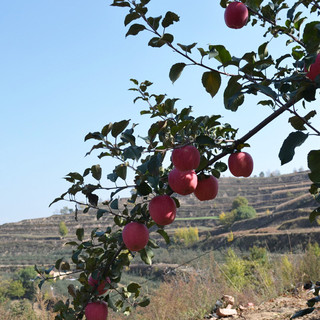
(256, 129)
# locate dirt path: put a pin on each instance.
(280, 308)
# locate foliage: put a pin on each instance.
(240, 211)
(187, 236)
(63, 230)
(239, 201)
(282, 86)
(244, 212)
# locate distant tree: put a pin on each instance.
(63, 230)
(26, 276)
(261, 174)
(15, 289)
(239, 201)
(245, 212)
(66, 210)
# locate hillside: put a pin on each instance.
(282, 203)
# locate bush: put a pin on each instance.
(239, 201)
(187, 236)
(63, 230)
(245, 212)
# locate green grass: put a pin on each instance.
(198, 218)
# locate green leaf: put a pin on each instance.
(93, 199)
(169, 19)
(118, 127)
(154, 164)
(314, 165)
(120, 3)
(106, 129)
(164, 235)
(314, 214)
(57, 264)
(96, 171)
(144, 189)
(188, 47)
(295, 139)
(100, 213)
(130, 17)
(144, 303)
(132, 152)
(220, 166)
(302, 313)
(211, 81)
(154, 22)
(263, 51)
(80, 234)
(220, 53)
(298, 123)
(114, 204)
(176, 71)
(93, 135)
(205, 141)
(152, 244)
(233, 97)
(121, 171)
(146, 255)
(311, 36)
(135, 29)
(133, 287)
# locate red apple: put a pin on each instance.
(99, 284)
(240, 164)
(186, 158)
(135, 236)
(314, 69)
(207, 188)
(96, 310)
(182, 182)
(162, 210)
(236, 15)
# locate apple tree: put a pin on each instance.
(200, 146)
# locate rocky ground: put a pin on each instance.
(282, 307)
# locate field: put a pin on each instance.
(281, 228)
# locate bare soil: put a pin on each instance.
(282, 307)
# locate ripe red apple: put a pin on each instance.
(96, 310)
(182, 182)
(186, 158)
(207, 188)
(240, 164)
(99, 284)
(236, 15)
(162, 210)
(314, 69)
(135, 236)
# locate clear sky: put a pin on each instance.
(65, 70)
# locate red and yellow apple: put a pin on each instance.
(135, 236)
(236, 15)
(162, 210)
(314, 69)
(240, 164)
(96, 310)
(207, 188)
(182, 182)
(186, 158)
(99, 284)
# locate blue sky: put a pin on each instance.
(65, 70)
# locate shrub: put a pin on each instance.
(187, 236)
(63, 230)
(239, 201)
(245, 212)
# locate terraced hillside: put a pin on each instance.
(282, 203)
